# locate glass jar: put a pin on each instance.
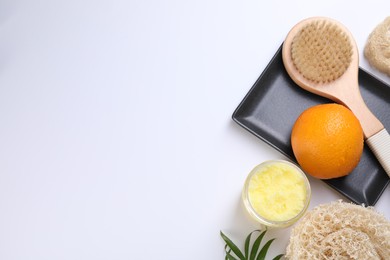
(276, 193)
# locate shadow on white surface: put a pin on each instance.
(241, 224)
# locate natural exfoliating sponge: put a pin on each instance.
(340, 230)
(377, 50)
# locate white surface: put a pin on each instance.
(116, 138)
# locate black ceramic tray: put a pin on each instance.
(273, 104)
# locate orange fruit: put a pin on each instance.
(327, 141)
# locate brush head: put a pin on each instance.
(321, 51)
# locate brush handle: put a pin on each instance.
(379, 144)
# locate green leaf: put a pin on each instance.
(227, 252)
(256, 245)
(278, 257)
(233, 247)
(230, 257)
(247, 243)
(264, 250)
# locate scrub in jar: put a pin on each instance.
(276, 193)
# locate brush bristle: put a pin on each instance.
(321, 51)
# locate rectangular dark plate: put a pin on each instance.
(272, 105)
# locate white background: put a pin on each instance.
(116, 138)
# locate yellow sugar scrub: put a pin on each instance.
(276, 193)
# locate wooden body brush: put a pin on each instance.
(321, 56)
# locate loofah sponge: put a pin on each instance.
(340, 230)
(377, 49)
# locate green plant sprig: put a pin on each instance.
(234, 253)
